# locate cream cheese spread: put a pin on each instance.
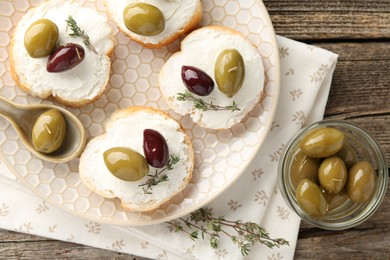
(176, 12)
(127, 131)
(84, 81)
(201, 49)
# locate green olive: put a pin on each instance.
(348, 155)
(311, 199)
(304, 167)
(335, 200)
(143, 19)
(229, 72)
(48, 132)
(125, 163)
(322, 142)
(332, 174)
(361, 181)
(41, 38)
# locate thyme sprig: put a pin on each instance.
(158, 176)
(203, 105)
(247, 233)
(76, 31)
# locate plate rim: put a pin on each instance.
(169, 217)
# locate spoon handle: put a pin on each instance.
(7, 108)
(14, 115)
(23, 117)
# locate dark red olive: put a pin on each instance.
(155, 148)
(197, 81)
(65, 57)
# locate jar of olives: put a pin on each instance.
(320, 174)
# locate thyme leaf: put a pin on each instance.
(158, 176)
(76, 31)
(203, 105)
(246, 234)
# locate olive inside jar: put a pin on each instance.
(347, 205)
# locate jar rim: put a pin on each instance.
(370, 206)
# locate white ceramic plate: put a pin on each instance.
(220, 156)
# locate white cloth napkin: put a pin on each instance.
(306, 73)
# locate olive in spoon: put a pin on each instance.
(23, 117)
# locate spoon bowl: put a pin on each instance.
(23, 117)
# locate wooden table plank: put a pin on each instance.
(330, 20)
(330, 26)
(15, 245)
(375, 6)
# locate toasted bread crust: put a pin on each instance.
(154, 205)
(192, 24)
(164, 69)
(71, 103)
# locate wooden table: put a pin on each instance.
(359, 31)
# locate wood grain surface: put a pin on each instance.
(359, 31)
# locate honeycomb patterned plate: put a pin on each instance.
(221, 156)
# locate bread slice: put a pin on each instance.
(181, 17)
(80, 85)
(125, 129)
(201, 49)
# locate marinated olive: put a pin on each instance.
(143, 19)
(41, 38)
(125, 163)
(335, 200)
(65, 57)
(197, 81)
(332, 174)
(348, 155)
(48, 132)
(310, 198)
(304, 167)
(229, 72)
(361, 181)
(322, 142)
(155, 148)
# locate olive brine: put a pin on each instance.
(326, 173)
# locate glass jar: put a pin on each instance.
(346, 213)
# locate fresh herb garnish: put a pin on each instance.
(156, 178)
(202, 105)
(247, 233)
(76, 31)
